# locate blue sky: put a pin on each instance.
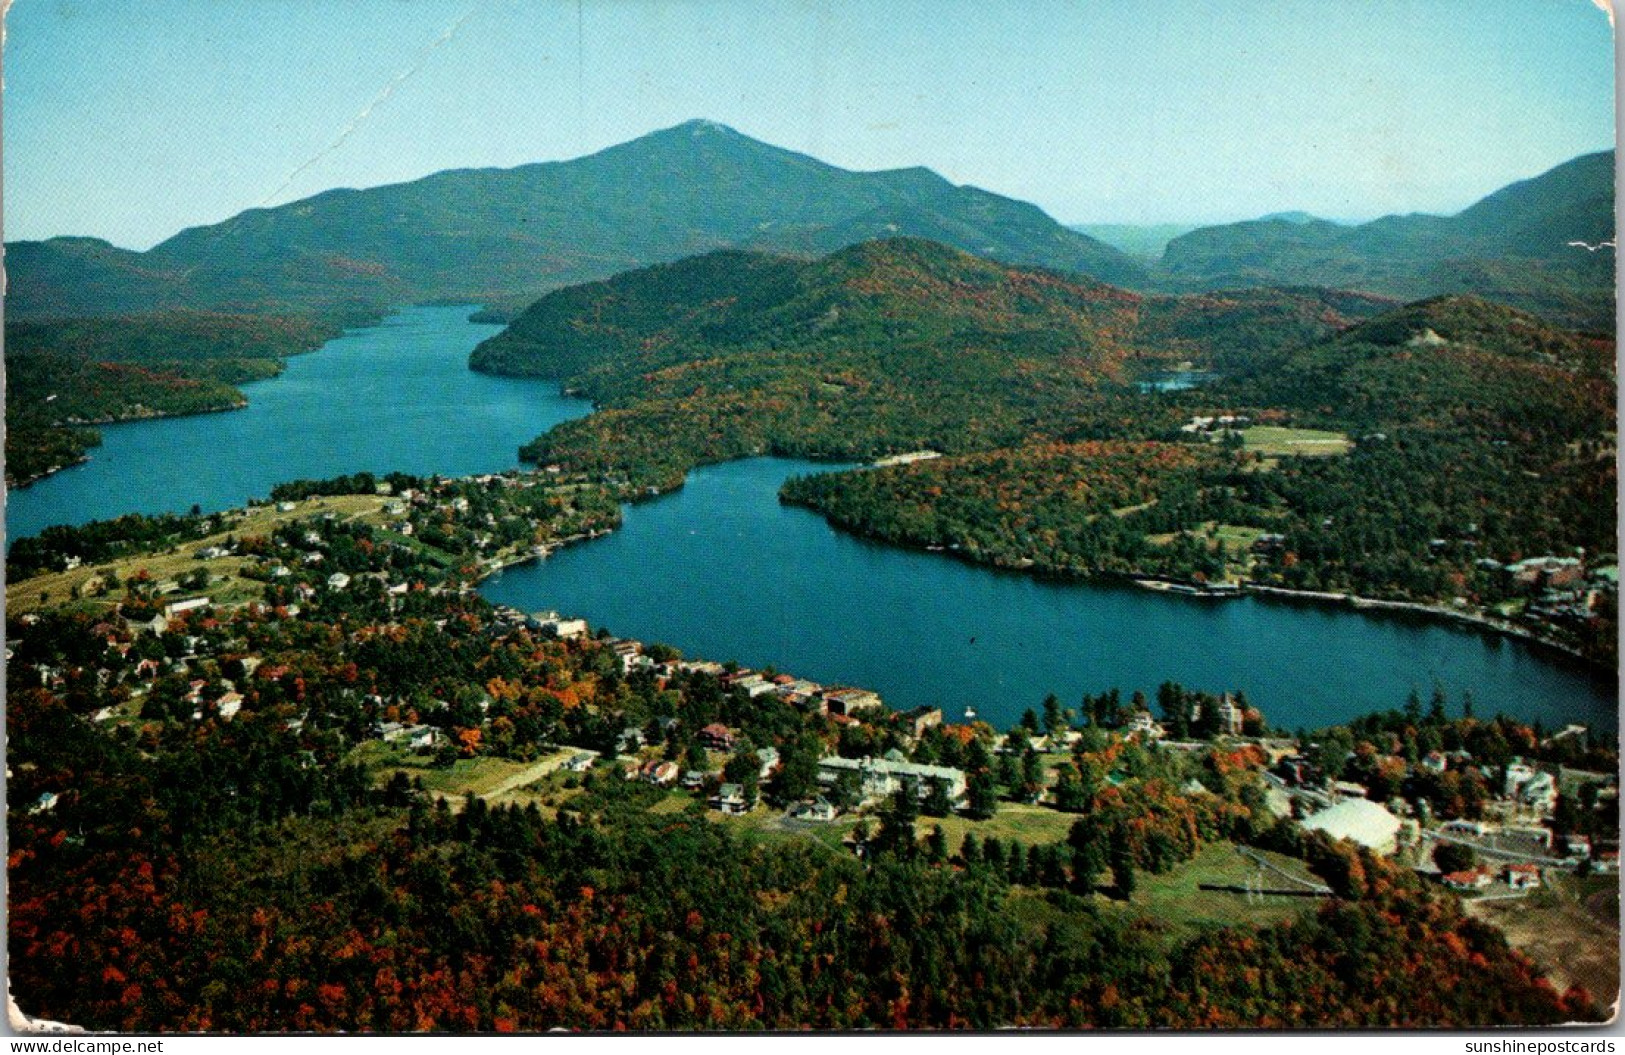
(130, 121)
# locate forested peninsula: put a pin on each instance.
(1449, 452)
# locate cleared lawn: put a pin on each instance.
(487, 777)
(1570, 928)
(1278, 441)
(1238, 539)
(1177, 898)
(1014, 822)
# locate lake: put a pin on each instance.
(396, 396)
(722, 571)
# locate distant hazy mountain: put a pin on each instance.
(509, 235)
(1513, 246)
(1293, 216)
(1142, 241)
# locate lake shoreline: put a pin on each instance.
(834, 626)
(1141, 579)
(121, 419)
(366, 320)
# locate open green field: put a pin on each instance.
(1237, 539)
(493, 779)
(1273, 440)
(1014, 822)
(1177, 899)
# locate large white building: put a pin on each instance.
(1359, 820)
(882, 776)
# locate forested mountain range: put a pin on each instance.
(507, 235)
(1460, 419)
(501, 237)
(1513, 246)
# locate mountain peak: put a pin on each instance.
(701, 126)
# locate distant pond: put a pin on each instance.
(1175, 380)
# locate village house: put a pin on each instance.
(754, 685)
(1145, 726)
(801, 693)
(419, 737)
(701, 667)
(818, 810)
(1545, 572)
(563, 629)
(1526, 786)
(660, 773)
(717, 737)
(1522, 876)
(730, 799)
(176, 608)
(922, 718)
(1475, 879)
(850, 701)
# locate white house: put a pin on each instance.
(730, 798)
(180, 607)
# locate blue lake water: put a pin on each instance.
(721, 570)
(396, 396)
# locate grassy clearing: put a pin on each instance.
(1276, 441)
(483, 775)
(1237, 539)
(1014, 822)
(226, 584)
(1177, 899)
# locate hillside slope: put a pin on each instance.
(1513, 246)
(879, 348)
